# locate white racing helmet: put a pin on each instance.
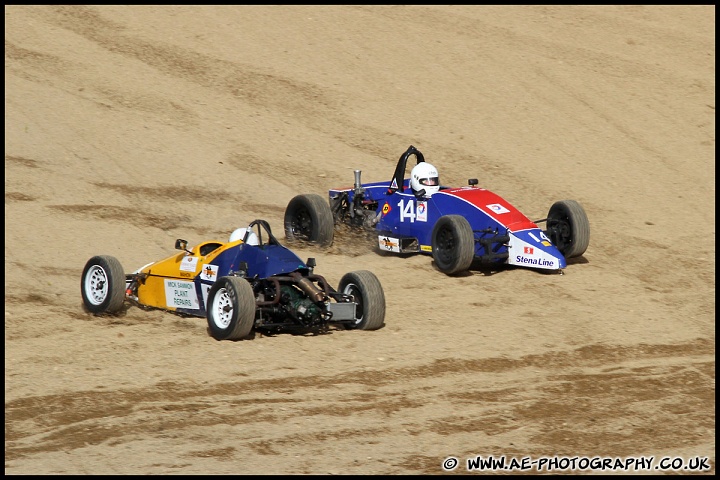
(239, 234)
(425, 176)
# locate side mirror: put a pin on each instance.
(181, 244)
(472, 181)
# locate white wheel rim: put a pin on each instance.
(96, 285)
(222, 309)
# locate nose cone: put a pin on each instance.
(532, 248)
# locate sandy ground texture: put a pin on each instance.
(128, 127)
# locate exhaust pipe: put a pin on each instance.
(307, 286)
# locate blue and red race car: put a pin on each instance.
(459, 226)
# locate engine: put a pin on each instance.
(299, 306)
(360, 212)
(286, 304)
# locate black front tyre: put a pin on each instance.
(103, 284)
(568, 228)
(230, 308)
(309, 218)
(453, 244)
(369, 296)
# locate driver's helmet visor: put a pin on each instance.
(430, 182)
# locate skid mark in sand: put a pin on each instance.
(31, 298)
(575, 401)
(18, 197)
(125, 215)
(173, 193)
(317, 106)
(257, 88)
(45, 270)
(29, 64)
(25, 162)
(183, 194)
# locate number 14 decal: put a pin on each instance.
(409, 212)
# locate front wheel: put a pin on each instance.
(369, 297)
(230, 309)
(309, 218)
(103, 284)
(453, 244)
(568, 228)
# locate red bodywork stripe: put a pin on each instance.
(481, 198)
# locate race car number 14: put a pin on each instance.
(410, 212)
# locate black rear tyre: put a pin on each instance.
(368, 293)
(309, 218)
(103, 284)
(453, 244)
(568, 228)
(230, 309)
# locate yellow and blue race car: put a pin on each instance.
(459, 226)
(250, 283)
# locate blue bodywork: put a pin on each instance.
(406, 219)
(257, 261)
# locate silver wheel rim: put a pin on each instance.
(96, 285)
(354, 291)
(222, 309)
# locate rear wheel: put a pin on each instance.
(309, 218)
(568, 228)
(453, 244)
(369, 296)
(103, 284)
(230, 309)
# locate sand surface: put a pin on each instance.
(129, 127)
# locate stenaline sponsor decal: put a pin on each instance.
(539, 262)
